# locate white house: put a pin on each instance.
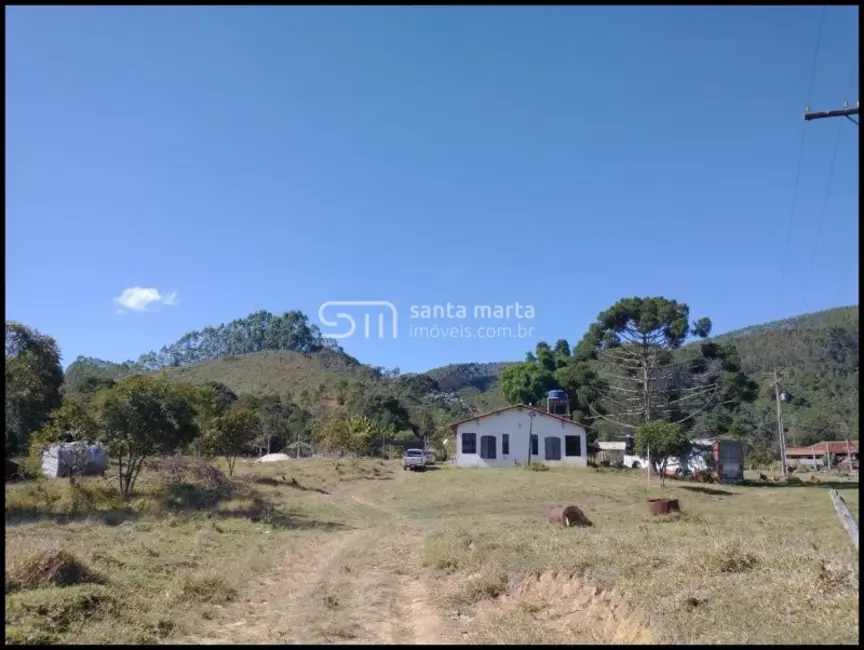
(501, 438)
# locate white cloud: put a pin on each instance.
(141, 298)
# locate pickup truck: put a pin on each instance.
(415, 460)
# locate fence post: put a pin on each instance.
(846, 518)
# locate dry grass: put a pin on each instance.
(276, 373)
(319, 551)
(48, 568)
(166, 557)
(746, 556)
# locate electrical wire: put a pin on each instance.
(791, 223)
(827, 196)
(821, 222)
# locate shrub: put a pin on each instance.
(729, 558)
(49, 568)
(202, 588)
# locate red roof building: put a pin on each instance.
(819, 450)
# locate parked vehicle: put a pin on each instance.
(414, 459)
(430, 457)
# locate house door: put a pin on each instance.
(553, 448)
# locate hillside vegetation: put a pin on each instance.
(286, 357)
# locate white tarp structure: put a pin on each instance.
(274, 458)
(76, 458)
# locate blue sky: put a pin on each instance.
(236, 159)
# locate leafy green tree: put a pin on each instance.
(143, 417)
(33, 380)
(231, 433)
(364, 434)
(86, 385)
(332, 436)
(211, 400)
(355, 436)
(547, 369)
(661, 440)
(405, 436)
(529, 381)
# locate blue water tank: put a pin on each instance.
(557, 394)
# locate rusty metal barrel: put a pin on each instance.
(663, 506)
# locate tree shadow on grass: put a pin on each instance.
(282, 481)
(17, 516)
(294, 521)
(701, 489)
(180, 500)
(825, 485)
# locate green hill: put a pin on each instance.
(816, 356)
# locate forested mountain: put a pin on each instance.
(286, 357)
(458, 376)
(817, 358)
(258, 332)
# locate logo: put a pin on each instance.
(424, 320)
(368, 306)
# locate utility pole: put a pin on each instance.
(846, 112)
(531, 416)
(780, 434)
(648, 451)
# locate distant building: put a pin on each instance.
(815, 455)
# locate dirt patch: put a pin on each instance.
(554, 608)
(266, 612)
(425, 624)
(376, 506)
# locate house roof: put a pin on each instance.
(538, 411)
(821, 448)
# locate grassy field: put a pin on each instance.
(359, 551)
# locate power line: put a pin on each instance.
(827, 196)
(822, 214)
(791, 223)
(781, 434)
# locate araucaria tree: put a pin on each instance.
(638, 346)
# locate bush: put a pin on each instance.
(40, 617)
(729, 558)
(49, 568)
(211, 478)
(202, 588)
(172, 470)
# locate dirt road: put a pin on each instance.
(362, 585)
